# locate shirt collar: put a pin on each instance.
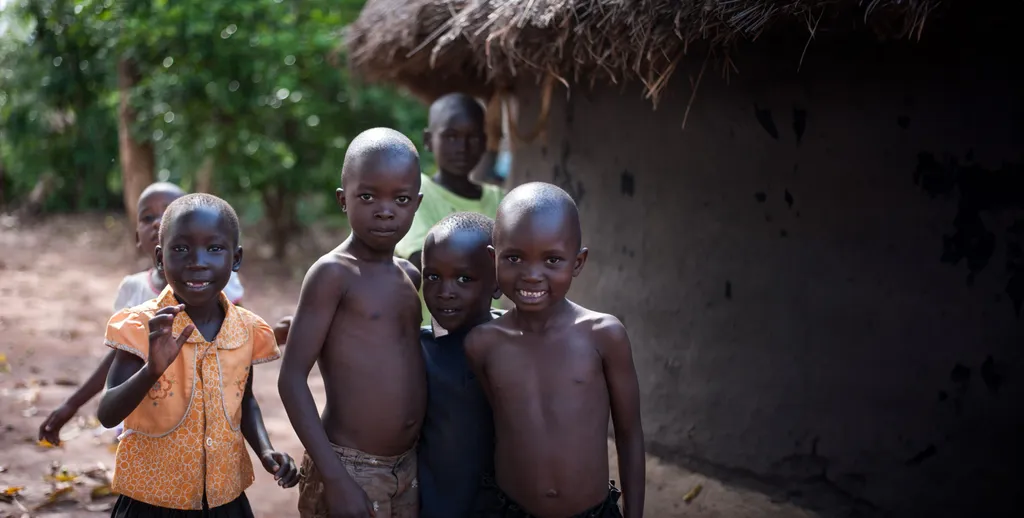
(233, 332)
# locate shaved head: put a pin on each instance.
(539, 199)
(161, 188)
(455, 103)
(378, 148)
(473, 224)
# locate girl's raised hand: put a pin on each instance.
(281, 465)
(163, 347)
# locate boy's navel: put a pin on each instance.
(552, 493)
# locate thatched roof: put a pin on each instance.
(436, 46)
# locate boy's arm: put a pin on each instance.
(624, 396)
(319, 297)
(412, 271)
(475, 348)
(50, 429)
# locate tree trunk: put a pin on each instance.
(279, 205)
(204, 176)
(3, 182)
(137, 158)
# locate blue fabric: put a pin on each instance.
(502, 164)
(456, 447)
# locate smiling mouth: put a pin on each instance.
(197, 285)
(448, 311)
(531, 296)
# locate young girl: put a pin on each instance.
(134, 290)
(181, 378)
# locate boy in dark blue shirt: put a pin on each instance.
(456, 447)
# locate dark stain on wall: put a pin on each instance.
(764, 117)
(789, 199)
(922, 455)
(760, 196)
(799, 123)
(903, 121)
(563, 177)
(728, 290)
(993, 380)
(627, 183)
(979, 190)
(960, 376)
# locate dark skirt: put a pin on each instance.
(127, 508)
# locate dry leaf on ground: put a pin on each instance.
(690, 495)
(8, 494)
(60, 493)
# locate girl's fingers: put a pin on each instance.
(185, 334)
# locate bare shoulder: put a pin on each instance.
(332, 266)
(484, 336)
(605, 330)
(327, 279)
(410, 270)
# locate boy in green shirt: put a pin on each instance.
(455, 135)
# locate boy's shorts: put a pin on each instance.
(389, 482)
(492, 502)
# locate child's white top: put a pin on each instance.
(137, 288)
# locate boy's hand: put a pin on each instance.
(164, 348)
(281, 329)
(50, 429)
(349, 501)
(282, 466)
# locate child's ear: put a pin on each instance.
(581, 259)
(497, 292)
(340, 196)
(426, 141)
(237, 264)
(491, 252)
(138, 242)
(159, 252)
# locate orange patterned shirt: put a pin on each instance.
(184, 439)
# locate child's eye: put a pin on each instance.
(179, 248)
(366, 197)
(464, 279)
(554, 260)
(216, 248)
(432, 277)
(514, 259)
(402, 200)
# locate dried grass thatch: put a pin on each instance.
(435, 46)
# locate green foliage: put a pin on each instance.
(258, 87)
(53, 120)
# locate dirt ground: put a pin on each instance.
(58, 279)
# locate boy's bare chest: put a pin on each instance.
(382, 298)
(543, 366)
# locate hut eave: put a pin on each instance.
(436, 46)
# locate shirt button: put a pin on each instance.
(209, 441)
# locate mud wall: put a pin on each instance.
(822, 276)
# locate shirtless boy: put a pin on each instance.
(358, 318)
(553, 372)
